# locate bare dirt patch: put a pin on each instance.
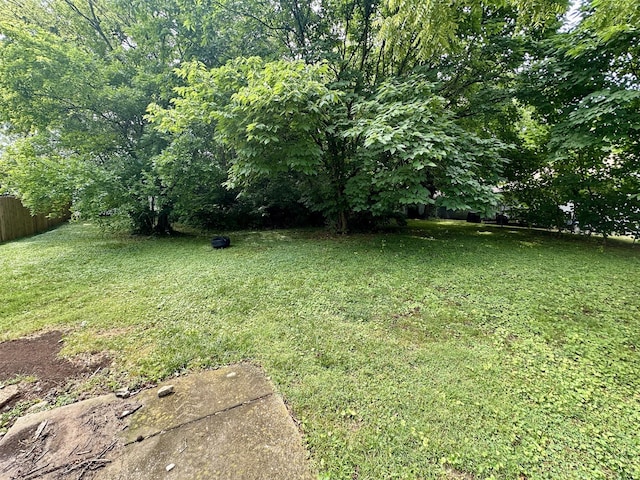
(70, 445)
(47, 374)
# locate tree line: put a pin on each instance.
(236, 113)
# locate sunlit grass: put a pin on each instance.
(444, 350)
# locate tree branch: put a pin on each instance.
(93, 21)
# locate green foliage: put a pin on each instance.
(359, 108)
(608, 17)
(275, 123)
(411, 151)
(211, 143)
(47, 180)
(357, 155)
(79, 77)
(437, 28)
(586, 96)
(71, 90)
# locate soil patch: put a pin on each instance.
(38, 357)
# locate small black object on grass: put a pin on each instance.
(473, 217)
(220, 242)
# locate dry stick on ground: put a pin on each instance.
(91, 465)
(87, 464)
(41, 456)
(131, 411)
(36, 470)
(40, 429)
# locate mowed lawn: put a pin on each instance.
(445, 350)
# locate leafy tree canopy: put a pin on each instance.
(585, 88)
(352, 108)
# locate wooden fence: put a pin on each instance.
(16, 221)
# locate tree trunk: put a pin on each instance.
(342, 224)
(163, 227)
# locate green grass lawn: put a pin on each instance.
(446, 350)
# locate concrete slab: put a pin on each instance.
(256, 440)
(222, 424)
(54, 443)
(195, 397)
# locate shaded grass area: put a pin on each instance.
(446, 350)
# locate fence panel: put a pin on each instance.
(16, 221)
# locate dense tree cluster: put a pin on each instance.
(245, 112)
(584, 89)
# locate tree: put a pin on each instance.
(77, 99)
(357, 156)
(411, 151)
(368, 130)
(587, 90)
(76, 78)
(333, 109)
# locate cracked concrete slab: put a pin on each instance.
(195, 397)
(255, 440)
(221, 424)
